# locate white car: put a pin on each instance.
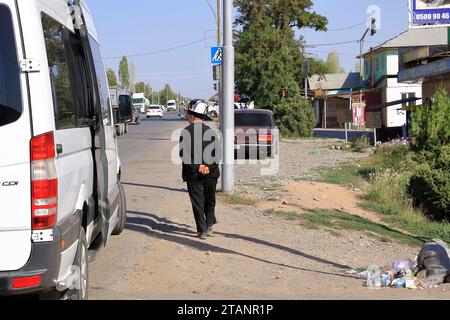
(60, 190)
(155, 111)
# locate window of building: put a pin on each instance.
(408, 96)
(57, 54)
(10, 91)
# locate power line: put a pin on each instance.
(161, 51)
(347, 28)
(339, 53)
(330, 44)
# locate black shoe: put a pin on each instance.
(203, 236)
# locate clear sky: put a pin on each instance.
(140, 26)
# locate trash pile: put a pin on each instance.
(428, 270)
(400, 274)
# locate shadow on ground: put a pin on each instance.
(154, 187)
(161, 228)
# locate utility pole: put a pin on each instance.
(220, 68)
(228, 99)
(372, 29)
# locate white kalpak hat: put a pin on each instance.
(198, 109)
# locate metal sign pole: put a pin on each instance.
(228, 181)
(220, 67)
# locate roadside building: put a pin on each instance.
(392, 98)
(428, 64)
(332, 98)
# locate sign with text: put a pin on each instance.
(429, 12)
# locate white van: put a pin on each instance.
(171, 105)
(60, 193)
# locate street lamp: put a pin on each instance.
(212, 9)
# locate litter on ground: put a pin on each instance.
(428, 270)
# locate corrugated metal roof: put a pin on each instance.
(421, 37)
(339, 81)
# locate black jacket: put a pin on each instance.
(200, 145)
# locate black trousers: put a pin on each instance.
(203, 198)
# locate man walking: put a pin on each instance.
(201, 153)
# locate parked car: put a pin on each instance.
(60, 189)
(256, 135)
(155, 111)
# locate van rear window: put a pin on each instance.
(10, 92)
(252, 120)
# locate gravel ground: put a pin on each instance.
(297, 161)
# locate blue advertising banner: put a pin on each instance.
(430, 12)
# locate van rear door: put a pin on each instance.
(15, 135)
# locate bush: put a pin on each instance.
(368, 172)
(398, 147)
(295, 117)
(430, 189)
(430, 184)
(430, 127)
(361, 144)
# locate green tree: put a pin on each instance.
(320, 67)
(148, 90)
(167, 94)
(124, 73)
(430, 184)
(142, 87)
(112, 78)
(430, 127)
(333, 63)
(269, 58)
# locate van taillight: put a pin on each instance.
(44, 182)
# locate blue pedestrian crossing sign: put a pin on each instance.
(216, 55)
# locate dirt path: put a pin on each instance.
(252, 256)
(311, 196)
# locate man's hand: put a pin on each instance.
(204, 170)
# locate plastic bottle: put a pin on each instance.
(374, 280)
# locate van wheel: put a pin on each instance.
(80, 292)
(122, 218)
